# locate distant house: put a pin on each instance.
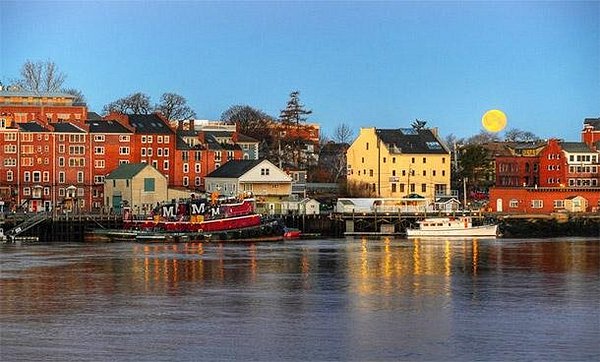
(137, 185)
(269, 184)
(447, 203)
(305, 206)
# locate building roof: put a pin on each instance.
(108, 126)
(180, 143)
(409, 140)
(246, 139)
(32, 127)
(576, 147)
(22, 93)
(594, 122)
(234, 168)
(149, 124)
(93, 116)
(66, 127)
(126, 171)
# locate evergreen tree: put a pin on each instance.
(290, 141)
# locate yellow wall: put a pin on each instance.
(376, 166)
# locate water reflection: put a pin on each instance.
(323, 299)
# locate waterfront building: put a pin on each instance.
(544, 200)
(137, 185)
(398, 162)
(268, 183)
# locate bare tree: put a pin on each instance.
(517, 135)
(343, 133)
(250, 121)
(136, 103)
(174, 107)
(79, 97)
(482, 138)
(41, 77)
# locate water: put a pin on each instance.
(302, 300)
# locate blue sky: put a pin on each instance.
(379, 64)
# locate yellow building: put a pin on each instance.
(398, 162)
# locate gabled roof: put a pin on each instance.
(32, 127)
(149, 124)
(126, 171)
(246, 139)
(234, 168)
(108, 126)
(579, 147)
(65, 127)
(409, 140)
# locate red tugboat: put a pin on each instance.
(204, 219)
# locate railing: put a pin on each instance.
(28, 224)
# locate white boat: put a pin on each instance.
(451, 226)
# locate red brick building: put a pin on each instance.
(543, 200)
(518, 164)
(591, 133)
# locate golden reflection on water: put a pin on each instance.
(369, 266)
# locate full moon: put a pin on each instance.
(494, 120)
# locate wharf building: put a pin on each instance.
(549, 176)
(393, 163)
(55, 155)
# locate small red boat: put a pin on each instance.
(291, 233)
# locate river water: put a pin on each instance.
(309, 300)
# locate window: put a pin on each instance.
(393, 172)
(443, 159)
(393, 187)
(143, 139)
(159, 152)
(197, 181)
(149, 184)
(155, 164)
(26, 191)
(98, 150)
(46, 176)
(99, 138)
(143, 152)
(37, 176)
(393, 159)
(537, 204)
(27, 161)
(384, 160)
(149, 151)
(197, 167)
(367, 145)
(76, 150)
(98, 179)
(26, 176)
(412, 160)
(99, 164)
(433, 173)
(424, 172)
(61, 177)
(559, 204)
(61, 162)
(9, 175)
(264, 171)
(10, 148)
(123, 150)
(165, 164)
(412, 188)
(80, 177)
(424, 159)
(166, 152)
(10, 136)
(371, 172)
(198, 156)
(159, 139)
(185, 156)
(186, 168)
(186, 180)
(423, 187)
(10, 162)
(123, 138)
